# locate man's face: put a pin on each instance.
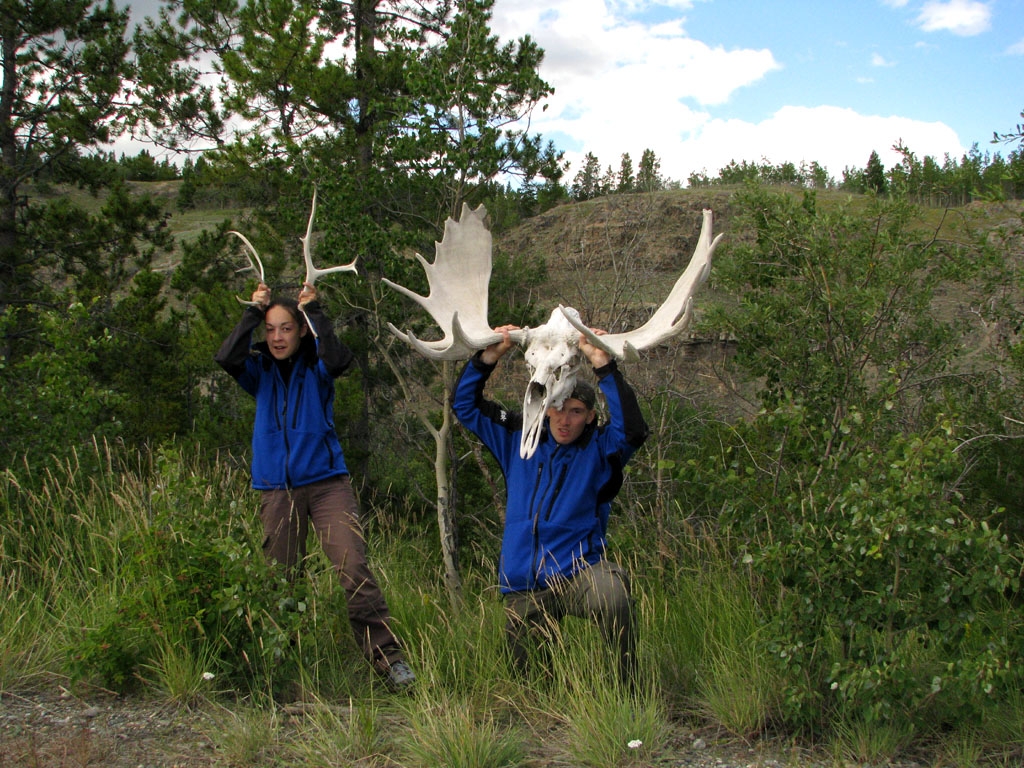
(567, 423)
(284, 333)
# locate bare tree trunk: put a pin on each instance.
(442, 471)
(445, 492)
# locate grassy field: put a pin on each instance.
(107, 549)
(148, 579)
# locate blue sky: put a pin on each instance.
(703, 82)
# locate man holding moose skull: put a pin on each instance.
(553, 561)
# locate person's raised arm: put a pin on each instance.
(492, 354)
(598, 357)
(336, 356)
(235, 350)
(623, 407)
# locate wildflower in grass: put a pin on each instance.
(635, 744)
(207, 675)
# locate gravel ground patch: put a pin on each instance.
(55, 729)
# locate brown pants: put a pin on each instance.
(600, 592)
(330, 505)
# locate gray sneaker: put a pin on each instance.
(399, 677)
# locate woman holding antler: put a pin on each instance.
(297, 463)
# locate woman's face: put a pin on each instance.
(284, 333)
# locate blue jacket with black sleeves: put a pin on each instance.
(558, 500)
(294, 441)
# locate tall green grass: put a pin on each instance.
(147, 577)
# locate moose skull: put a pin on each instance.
(553, 356)
(457, 300)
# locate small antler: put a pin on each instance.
(312, 273)
(254, 263)
(458, 283)
(672, 317)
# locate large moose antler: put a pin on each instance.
(457, 290)
(457, 300)
(675, 313)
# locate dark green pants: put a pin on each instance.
(600, 593)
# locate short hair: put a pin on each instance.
(585, 393)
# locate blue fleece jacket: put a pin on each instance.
(294, 442)
(558, 500)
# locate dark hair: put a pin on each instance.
(291, 306)
(585, 393)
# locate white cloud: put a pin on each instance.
(593, 55)
(622, 87)
(631, 6)
(1017, 49)
(878, 60)
(834, 137)
(961, 17)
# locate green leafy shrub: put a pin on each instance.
(195, 576)
(885, 584)
(873, 575)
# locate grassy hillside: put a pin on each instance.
(612, 258)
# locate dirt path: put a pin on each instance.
(61, 731)
(58, 730)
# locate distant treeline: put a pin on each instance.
(950, 182)
(976, 175)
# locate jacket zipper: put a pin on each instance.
(560, 480)
(535, 517)
(284, 435)
(297, 386)
(558, 491)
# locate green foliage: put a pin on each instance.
(835, 304)
(181, 567)
(885, 586)
(873, 572)
(456, 736)
(54, 115)
(589, 182)
(929, 181)
(874, 175)
(153, 580)
(1015, 135)
(52, 404)
(718, 636)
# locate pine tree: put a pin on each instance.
(648, 177)
(874, 174)
(627, 181)
(586, 185)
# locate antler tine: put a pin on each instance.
(673, 316)
(312, 273)
(458, 345)
(254, 263)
